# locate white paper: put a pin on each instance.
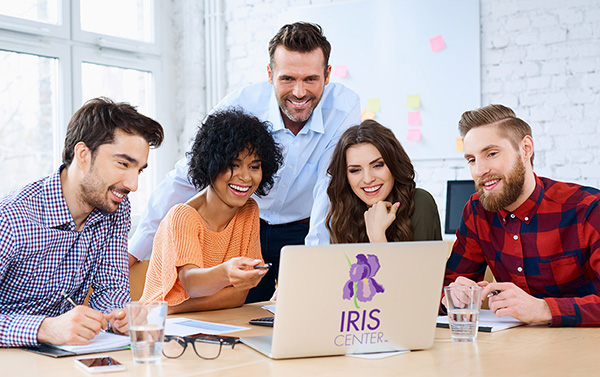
(186, 326)
(102, 342)
(270, 308)
(489, 322)
(377, 355)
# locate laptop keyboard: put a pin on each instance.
(265, 321)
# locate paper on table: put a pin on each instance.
(488, 321)
(186, 326)
(102, 342)
(377, 355)
(270, 308)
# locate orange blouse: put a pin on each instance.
(183, 238)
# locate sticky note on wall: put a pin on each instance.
(413, 101)
(459, 144)
(437, 43)
(414, 134)
(340, 71)
(367, 115)
(414, 118)
(374, 105)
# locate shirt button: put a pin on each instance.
(512, 215)
(526, 218)
(279, 202)
(294, 143)
(289, 166)
(284, 186)
(516, 237)
(520, 269)
(274, 212)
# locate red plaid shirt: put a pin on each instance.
(549, 247)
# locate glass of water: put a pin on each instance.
(463, 304)
(147, 329)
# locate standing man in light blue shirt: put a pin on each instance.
(308, 116)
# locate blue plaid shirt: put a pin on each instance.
(42, 255)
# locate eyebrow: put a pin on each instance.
(485, 149)
(370, 163)
(130, 159)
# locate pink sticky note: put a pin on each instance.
(340, 71)
(414, 134)
(414, 118)
(437, 43)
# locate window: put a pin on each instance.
(57, 54)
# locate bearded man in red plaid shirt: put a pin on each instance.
(540, 238)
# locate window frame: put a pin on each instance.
(73, 46)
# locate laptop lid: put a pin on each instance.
(356, 298)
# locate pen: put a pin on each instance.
(493, 293)
(72, 302)
(69, 299)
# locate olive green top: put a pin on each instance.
(425, 219)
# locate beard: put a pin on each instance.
(298, 116)
(513, 188)
(94, 192)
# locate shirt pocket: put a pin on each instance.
(561, 275)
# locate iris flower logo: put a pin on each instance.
(362, 286)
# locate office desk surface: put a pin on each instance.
(523, 351)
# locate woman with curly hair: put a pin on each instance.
(373, 193)
(205, 250)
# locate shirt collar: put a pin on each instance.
(315, 122)
(56, 212)
(526, 210)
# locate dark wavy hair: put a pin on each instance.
(95, 123)
(222, 137)
(300, 37)
(345, 219)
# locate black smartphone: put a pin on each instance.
(267, 266)
(99, 364)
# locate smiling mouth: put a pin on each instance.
(239, 190)
(300, 104)
(371, 190)
(118, 194)
(490, 184)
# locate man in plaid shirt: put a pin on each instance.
(540, 238)
(68, 231)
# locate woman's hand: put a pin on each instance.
(378, 218)
(240, 276)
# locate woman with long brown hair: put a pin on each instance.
(373, 193)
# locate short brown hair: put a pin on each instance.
(510, 127)
(300, 37)
(95, 123)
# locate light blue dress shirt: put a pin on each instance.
(300, 186)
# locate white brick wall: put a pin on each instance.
(540, 57)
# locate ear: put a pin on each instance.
(82, 155)
(327, 74)
(527, 148)
(270, 73)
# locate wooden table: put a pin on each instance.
(522, 351)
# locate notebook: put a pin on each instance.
(103, 342)
(488, 322)
(355, 298)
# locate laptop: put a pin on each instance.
(355, 298)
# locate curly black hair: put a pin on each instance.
(222, 137)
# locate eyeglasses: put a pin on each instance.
(206, 346)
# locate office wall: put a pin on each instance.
(540, 57)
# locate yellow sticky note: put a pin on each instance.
(374, 105)
(367, 115)
(413, 101)
(459, 144)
